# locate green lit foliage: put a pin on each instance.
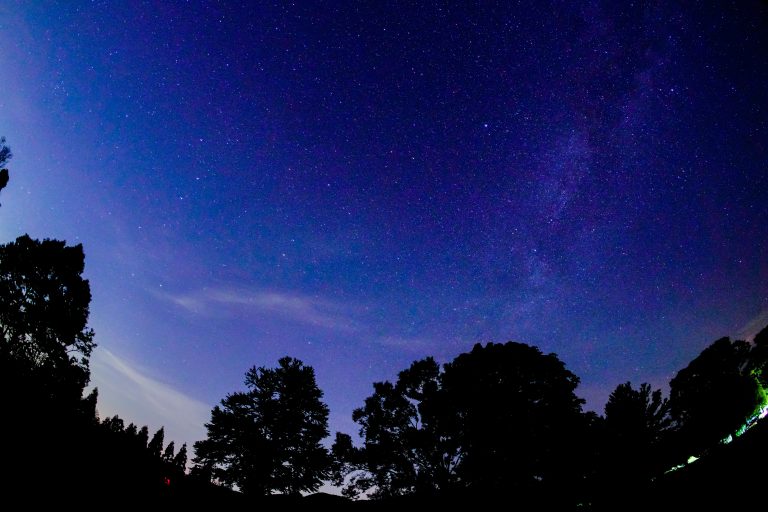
(715, 395)
(759, 357)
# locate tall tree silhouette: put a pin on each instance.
(387, 422)
(45, 345)
(268, 438)
(636, 424)
(180, 459)
(518, 421)
(638, 417)
(44, 306)
(142, 437)
(169, 452)
(155, 446)
(115, 424)
(759, 357)
(5, 155)
(714, 395)
(405, 449)
(501, 418)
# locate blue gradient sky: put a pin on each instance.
(363, 186)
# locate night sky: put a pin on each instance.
(363, 185)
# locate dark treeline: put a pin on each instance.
(55, 447)
(55, 440)
(500, 422)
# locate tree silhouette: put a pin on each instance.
(5, 155)
(405, 451)
(114, 424)
(169, 452)
(142, 437)
(44, 306)
(387, 421)
(634, 430)
(155, 446)
(45, 346)
(5, 152)
(759, 357)
(54, 439)
(268, 438)
(4, 178)
(502, 418)
(180, 460)
(517, 419)
(714, 395)
(638, 417)
(87, 408)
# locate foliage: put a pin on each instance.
(180, 459)
(170, 452)
(518, 419)
(128, 462)
(155, 446)
(633, 438)
(637, 417)
(403, 452)
(5, 155)
(5, 152)
(499, 418)
(268, 438)
(44, 306)
(54, 440)
(759, 357)
(714, 395)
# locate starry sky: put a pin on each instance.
(363, 184)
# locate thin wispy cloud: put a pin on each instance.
(139, 398)
(301, 309)
(418, 345)
(754, 326)
(297, 308)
